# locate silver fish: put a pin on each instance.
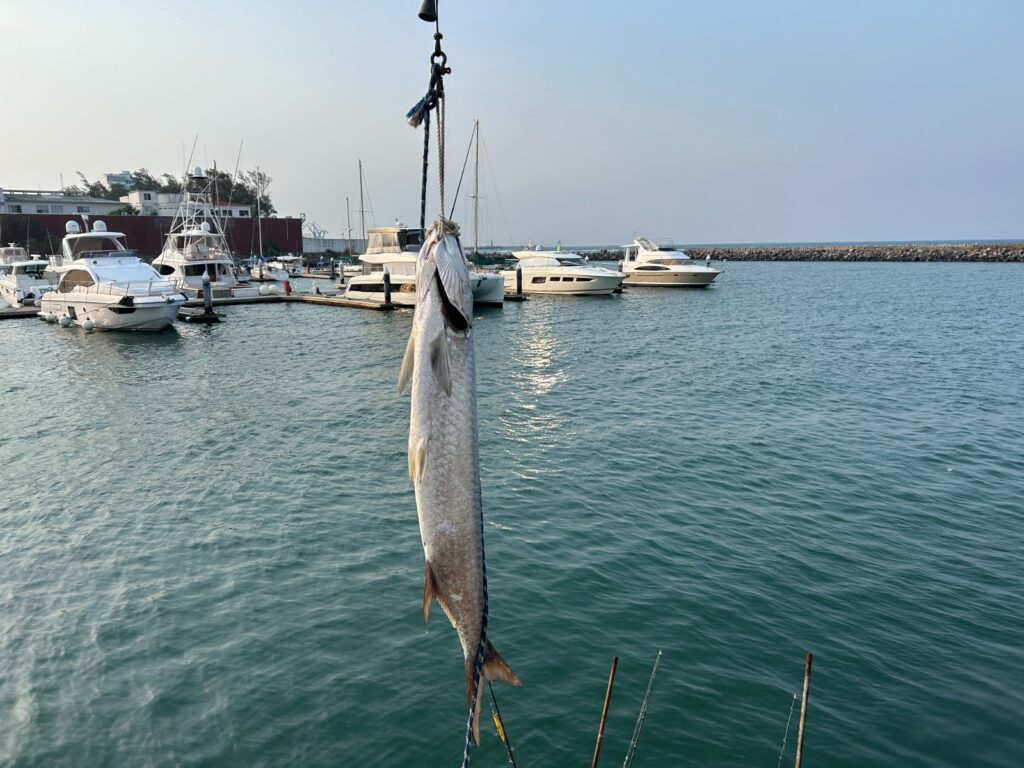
(444, 462)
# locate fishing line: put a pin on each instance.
(786, 734)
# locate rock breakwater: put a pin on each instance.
(984, 252)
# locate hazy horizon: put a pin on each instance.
(732, 122)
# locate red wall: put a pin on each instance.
(146, 234)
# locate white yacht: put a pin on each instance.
(263, 271)
(105, 286)
(561, 272)
(394, 250)
(196, 244)
(645, 262)
(22, 279)
(289, 263)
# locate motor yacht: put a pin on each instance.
(393, 250)
(197, 245)
(646, 262)
(561, 272)
(23, 280)
(103, 285)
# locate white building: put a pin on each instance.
(33, 202)
(354, 246)
(122, 179)
(167, 203)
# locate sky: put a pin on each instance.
(698, 122)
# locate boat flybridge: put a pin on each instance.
(561, 272)
(196, 244)
(646, 262)
(105, 286)
(393, 250)
(23, 280)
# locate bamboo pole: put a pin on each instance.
(803, 712)
(604, 711)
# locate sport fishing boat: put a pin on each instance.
(23, 280)
(103, 285)
(393, 250)
(645, 262)
(561, 272)
(196, 244)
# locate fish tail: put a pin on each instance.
(494, 668)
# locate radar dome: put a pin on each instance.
(99, 226)
(72, 228)
(205, 226)
(197, 173)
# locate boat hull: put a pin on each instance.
(588, 285)
(146, 314)
(673, 279)
(487, 289)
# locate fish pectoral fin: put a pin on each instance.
(430, 591)
(417, 457)
(439, 361)
(496, 669)
(405, 372)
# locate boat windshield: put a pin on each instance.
(126, 273)
(31, 268)
(572, 261)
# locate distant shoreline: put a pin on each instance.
(897, 252)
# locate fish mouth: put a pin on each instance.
(453, 317)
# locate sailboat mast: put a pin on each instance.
(362, 211)
(259, 213)
(476, 192)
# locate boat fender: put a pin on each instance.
(64, 321)
(50, 317)
(88, 324)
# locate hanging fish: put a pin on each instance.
(444, 461)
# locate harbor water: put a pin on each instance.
(209, 553)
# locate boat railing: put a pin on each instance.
(134, 288)
(106, 254)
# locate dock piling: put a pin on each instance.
(387, 286)
(519, 279)
(207, 294)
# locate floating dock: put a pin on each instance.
(12, 313)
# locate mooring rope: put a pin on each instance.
(786, 734)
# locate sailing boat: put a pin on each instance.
(489, 288)
(393, 250)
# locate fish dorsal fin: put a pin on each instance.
(439, 361)
(405, 372)
(453, 276)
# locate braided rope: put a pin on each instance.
(423, 184)
(440, 147)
